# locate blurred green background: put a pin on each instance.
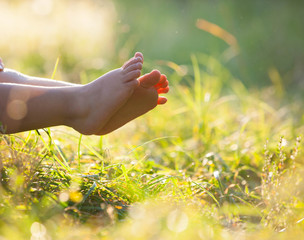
(100, 34)
(270, 34)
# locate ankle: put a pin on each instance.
(76, 106)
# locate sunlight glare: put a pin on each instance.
(81, 29)
(38, 231)
(177, 221)
(64, 197)
(42, 7)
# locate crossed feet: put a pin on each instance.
(118, 97)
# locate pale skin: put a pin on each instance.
(100, 107)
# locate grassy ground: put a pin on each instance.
(214, 163)
(218, 161)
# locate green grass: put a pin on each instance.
(218, 161)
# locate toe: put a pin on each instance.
(139, 55)
(133, 83)
(132, 61)
(162, 100)
(162, 84)
(132, 67)
(163, 90)
(150, 79)
(165, 84)
(132, 75)
(163, 78)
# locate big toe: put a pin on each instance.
(150, 79)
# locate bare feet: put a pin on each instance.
(145, 98)
(96, 102)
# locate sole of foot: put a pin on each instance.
(145, 98)
(98, 101)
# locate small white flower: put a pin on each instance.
(284, 142)
(216, 174)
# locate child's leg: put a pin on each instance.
(145, 97)
(15, 77)
(86, 108)
(12, 76)
(24, 107)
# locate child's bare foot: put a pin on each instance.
(145, 98)
(99, 100)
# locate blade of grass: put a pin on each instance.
(79, 151)
(197, 83)
(63, 164)
(55, 68)
(209, 193)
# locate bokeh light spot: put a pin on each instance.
(17, 109)
(38, 231)
(177, 221)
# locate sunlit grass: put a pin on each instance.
(212, 174)
(218, 161)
